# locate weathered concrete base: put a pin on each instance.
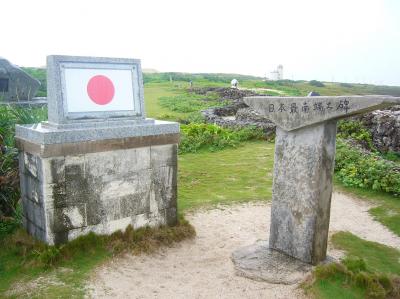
(72, 194)
(259, 262)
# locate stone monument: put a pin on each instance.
(15, 84)
(302, 184)
(98, 164)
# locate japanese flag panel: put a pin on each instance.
(98, 90)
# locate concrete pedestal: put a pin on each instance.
(78, 180)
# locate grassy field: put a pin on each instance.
(154, 91)
(232, 175)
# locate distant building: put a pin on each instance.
(277, 74)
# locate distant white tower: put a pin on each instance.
(277, 74)
(280, 72)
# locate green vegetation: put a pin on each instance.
(225, 177)
(189, 103)
(203, 79)
(40, 74)
(316, 83)
(66, 267)
(366, 170)
(369, 271)
(356, 131)
(212, 137)
(10, 116)
(378, 257)
(9, 179)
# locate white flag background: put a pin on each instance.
(78, 100)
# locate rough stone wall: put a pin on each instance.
(65, 197)
(384, 126)
(236, 114)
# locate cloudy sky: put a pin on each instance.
(348, 41)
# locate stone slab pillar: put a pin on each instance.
(302, 184)
(302, 190)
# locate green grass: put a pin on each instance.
(371, 270)
(152, 93)
(387, 210)
(379, 258)
(232, 175)
(335, 287)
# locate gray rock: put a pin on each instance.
(15, 84)
(302, 190)
(259, 262)
(384, 127)
(236, 114)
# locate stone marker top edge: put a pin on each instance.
(90, 59)
(371, 96)
(40, 134)
(291, 113)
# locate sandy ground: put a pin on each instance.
(201, 268)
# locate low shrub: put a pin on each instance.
(196, 136)
(392, 156)
(9, 179)
(316, 83)
(194, 117)
(347, 85)
(357, 131)
(366, 169)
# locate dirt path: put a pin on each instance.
(202, 268)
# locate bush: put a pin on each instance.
(316, 83)
(197, 136)
(366, 170)
(194, 117)
(347, 85)
(9, 179)
(356, 131)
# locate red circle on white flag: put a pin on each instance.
(100, 89)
